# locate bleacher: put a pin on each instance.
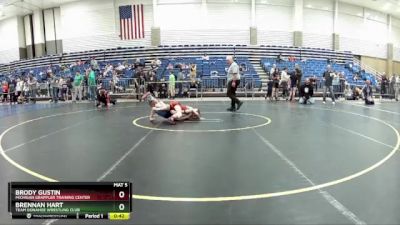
(316, 67)
(212, 71)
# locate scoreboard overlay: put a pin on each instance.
(70, 200)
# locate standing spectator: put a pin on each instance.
(63, 89)
(11, 90)
(233, 83)
(4, 89)
(272, 70)
(306, 93)
(299, 75)
(367, 92)
(94, 64)
(392, 84)
(397, 88)
(284, 83)
(155, 64)
(55, 87)
(150, 79)
(26, 91)
(114, 82)
(180, 79)
(384, 84)
(18, 88)
(275, 84)
(77, 87)
(139, 84)
(335, 83)
(193, 74)
(92, 85)
(328, 78)
(342, 82)
(293, 86)
(33, 84)
(171, 84)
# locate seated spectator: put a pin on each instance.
(306, 93)
(348, 93)
(357, 93)
(367, 92)
(120, 68)
(205, 57)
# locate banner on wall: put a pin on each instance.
(131, 22)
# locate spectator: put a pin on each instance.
(33, 85)
(342, 82)
(306, 93)
(77, 87)
(155, 64)
(293, 86)
(275, 84)
(284, 83)
(120, 68)
(25, 91)
(397, 88)
(193, 74)
(392, 86)
(367, 92)
(272, 70)
(180, 79)
(12, 89)
(328, 78)
(55, 87)
(205, 57)
(92, 85)
(150, 79)
(63, 89)
(348, 93)
(94, 65)
(299, 75)
(384, 84)
(4, 88)
(19, 87)
(171, 85)
(139, 84)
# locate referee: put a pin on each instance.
(233, 83)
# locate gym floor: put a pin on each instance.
(269, 163)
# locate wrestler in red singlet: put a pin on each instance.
(174, 103)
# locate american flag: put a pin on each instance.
(131, 22)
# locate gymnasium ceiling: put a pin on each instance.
(9, 8)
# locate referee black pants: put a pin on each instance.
(231, 93)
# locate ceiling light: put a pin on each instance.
(309, 6)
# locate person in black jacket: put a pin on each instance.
(367, 93)
(328, 78)
(306, 93)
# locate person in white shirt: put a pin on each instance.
(284, 83)
(233, 83)
(272, 71)
(19, 87)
